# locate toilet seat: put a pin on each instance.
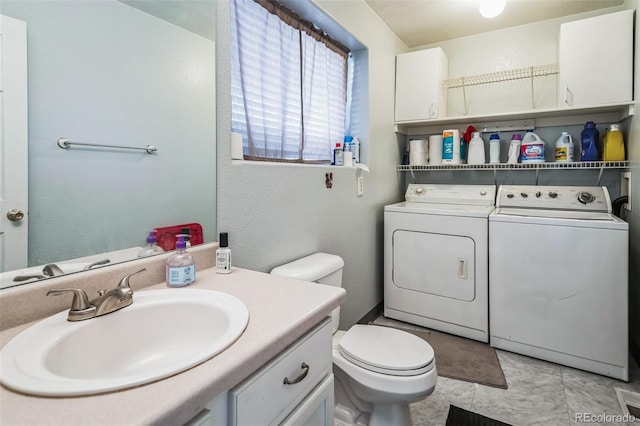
(386, 350)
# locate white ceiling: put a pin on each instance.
(415, 22)
(420, 22)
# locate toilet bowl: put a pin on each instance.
(378, 370)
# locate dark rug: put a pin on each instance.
(463, 359)
(460, 417)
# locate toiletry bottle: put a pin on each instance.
(181, 266)
(356, 150)
(476, 150)
(337, 155)
(613, 144)
(223, 255)
(152, 246)
(494, 149)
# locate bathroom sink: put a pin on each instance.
(162, 333)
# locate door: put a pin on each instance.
(13, 144)
(435, 264)
(596, 60)
(420, 94)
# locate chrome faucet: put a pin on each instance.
(105, 303)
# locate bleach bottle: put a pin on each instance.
(590, 142)
(532, 149)
(564, 148)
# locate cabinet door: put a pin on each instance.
(273, 392)
(596, 60)
(317, 409)
(420, 94)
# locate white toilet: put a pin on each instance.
(378, 370)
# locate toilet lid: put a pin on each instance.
(386, 350)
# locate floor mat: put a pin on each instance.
(460, 358)
(460, 417)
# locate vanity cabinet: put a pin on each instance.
(420, 94)
(294, 388)
(595, 56)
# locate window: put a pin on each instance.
(288, 84)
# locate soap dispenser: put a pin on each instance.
(152, 246)
(181, 266)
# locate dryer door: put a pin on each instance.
(436, 264)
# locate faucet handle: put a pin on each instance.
(81, 309)
(80, 299)
(124, 282)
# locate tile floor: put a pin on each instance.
(539, 393)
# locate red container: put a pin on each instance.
(167, 236)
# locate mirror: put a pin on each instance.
(124, 73)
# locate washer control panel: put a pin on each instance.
(480, 195)
(573, 198)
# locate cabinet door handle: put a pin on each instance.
(462, 269)
(305, 371)
(568, 96)
(432, 111)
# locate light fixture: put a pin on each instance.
(491, 8)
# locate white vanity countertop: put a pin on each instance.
(280, 309)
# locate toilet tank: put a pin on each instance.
(322, 268)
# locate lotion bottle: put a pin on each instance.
(181, 266)
(223, 255)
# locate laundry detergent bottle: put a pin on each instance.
(476, 150)
(590, 142)
(613, 144)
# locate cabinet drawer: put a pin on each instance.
(264, 398)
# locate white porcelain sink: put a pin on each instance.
(162, 333)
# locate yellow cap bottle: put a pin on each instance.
(613, 144)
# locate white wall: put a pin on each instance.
(103, 72)
(277, 213)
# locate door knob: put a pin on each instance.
(15, 215)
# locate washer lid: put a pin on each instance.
(386, 350)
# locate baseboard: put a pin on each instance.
(372, 314)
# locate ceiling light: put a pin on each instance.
(491, 8)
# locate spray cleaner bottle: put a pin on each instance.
(181, 266)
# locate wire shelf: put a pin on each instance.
(499, 76)
(575, 165)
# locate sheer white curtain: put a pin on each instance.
(288, 90)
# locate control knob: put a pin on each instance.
(586, 197)
(553, 194)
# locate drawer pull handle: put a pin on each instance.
(300, 378)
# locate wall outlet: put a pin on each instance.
(360, 192)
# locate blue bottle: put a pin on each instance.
(590, 138)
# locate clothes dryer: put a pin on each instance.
(436, 258)
(558, 271)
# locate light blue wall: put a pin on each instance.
(103, 72)
(277, 213)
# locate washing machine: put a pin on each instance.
(436, 258)
(558, 274)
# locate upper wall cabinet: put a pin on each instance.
(420, 94)
(596, 60)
